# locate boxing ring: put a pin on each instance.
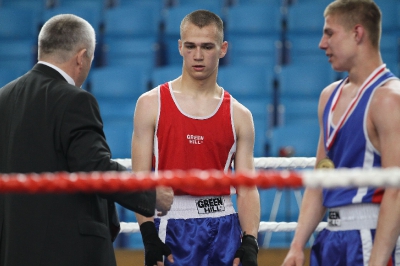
(271, 172)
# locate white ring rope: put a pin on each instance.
(283, 162)
(352, 177)
(264, 227)
(262, 162)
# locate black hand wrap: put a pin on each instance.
(154, 248)
(248, 250)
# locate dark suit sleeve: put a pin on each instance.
(86, 149)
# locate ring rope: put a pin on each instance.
(261, 162)
(264, 227)
(127, 181)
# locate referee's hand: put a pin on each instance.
(164, 199)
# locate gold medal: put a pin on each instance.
(325, 163)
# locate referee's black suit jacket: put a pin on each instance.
(48, 125)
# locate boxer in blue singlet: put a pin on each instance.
(360, 126)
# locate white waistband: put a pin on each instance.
(353, 217)
(187, 207)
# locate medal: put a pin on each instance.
(325, 163)
(374, 77)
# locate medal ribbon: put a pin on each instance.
(331, 136)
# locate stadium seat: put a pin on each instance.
(157, 5)
(253, 19)
(164, 74)
(306, 18)
(252, 50)
(390, 51)
(302, 136)
(119, 82)
(131, 51)
(295, 110)
(9, 74)
(259, 110)
(36, 5)
(131, 21)
(269, 2)
(215, 6)
(19, 23)
(117, 90)
(304, 48)
(18, 54)
(305, 79)
(245, 81)
(390, 15)
(93, 14)
(118, 131)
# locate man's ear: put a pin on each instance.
(79, 57)
(180, 46)
(359, 33)
(224, 49)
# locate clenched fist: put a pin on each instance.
(164, 199)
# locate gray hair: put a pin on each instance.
(64, 35)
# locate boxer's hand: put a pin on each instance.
(154, 248)
(247, 252)
(164, 199)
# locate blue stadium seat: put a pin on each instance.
(215, 6)
(305, 79)
(157, 5)
(172, 20)
(253, 19)
(9, 74)
(252, 50)
(93, 14)
(299, 109)
(19, 23)
(102, 4)
(118, 131)
(131, 21)
(36, 5)
(302, 136)
(117, 90)
(259, 110)
(304, 48)
(390, 51)
(131, 51)
(118, 82)
(306, 18)
(246, 81)
(164, 74)
(390, 15)
(269, 2)
(18, 54)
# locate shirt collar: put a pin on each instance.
(59, 70)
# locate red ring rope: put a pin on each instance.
(127, 181)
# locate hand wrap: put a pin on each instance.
(154, 248)
(248, 250)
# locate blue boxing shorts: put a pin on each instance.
(348, 238)
(201, 231)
